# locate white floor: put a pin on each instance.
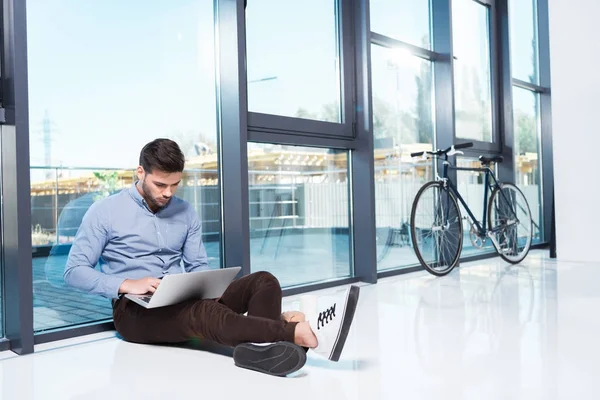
(487, 331)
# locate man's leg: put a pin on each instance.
(207, 319)
(258, 294)
(214, 321)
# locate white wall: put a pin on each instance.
(575, 74)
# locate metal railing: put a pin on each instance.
(278, 200)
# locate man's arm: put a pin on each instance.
(194, 253)
(92, 236)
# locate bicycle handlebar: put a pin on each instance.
(442, 152)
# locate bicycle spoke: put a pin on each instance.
(437, 229)
(510, 222)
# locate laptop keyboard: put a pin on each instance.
(146, 298)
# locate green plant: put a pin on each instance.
(109, 182)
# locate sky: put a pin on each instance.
(295, 44)
(406, 20)
(113, 75)
(522, 33)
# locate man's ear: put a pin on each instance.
(140, 173)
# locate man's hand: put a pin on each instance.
(139, 286)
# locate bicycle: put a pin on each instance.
(436, 224)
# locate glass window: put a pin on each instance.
(524, 40)
(528, 175)
(293, 58)
(406, 20)
(402, 124)
(91, 110)
(471, 186)
(299, 213)
(472, 70)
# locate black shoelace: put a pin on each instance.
(326, 316)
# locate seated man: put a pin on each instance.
(144, 232)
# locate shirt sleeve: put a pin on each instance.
(194, 253)
(91, 237)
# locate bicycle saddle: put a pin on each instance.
(487, 160)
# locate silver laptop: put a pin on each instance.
(176, 288)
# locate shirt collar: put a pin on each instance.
(135, 194)
(137, 197)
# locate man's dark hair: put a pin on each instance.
(163, 155)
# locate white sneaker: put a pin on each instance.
(331, 323)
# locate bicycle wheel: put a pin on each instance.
(436, 228)
(509, 220)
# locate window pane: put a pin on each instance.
(523, 40)
(406, 20)
(472, 70)
(528, 175)
(471, 186)
(299, 212)
(293, 58)
(93, 108)
(402, 111)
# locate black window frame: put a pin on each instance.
(286, 125)
(495, 146)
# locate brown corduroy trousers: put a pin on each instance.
(219, 320)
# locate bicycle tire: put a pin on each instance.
(528, 209)
(415, 235)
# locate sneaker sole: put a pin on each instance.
(347, 317)
(278, 359)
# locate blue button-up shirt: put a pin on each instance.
(132, 242)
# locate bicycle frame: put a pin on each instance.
(488, 186)
(438, 243)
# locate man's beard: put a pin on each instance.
(149, 199)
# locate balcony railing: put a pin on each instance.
(278, 199)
